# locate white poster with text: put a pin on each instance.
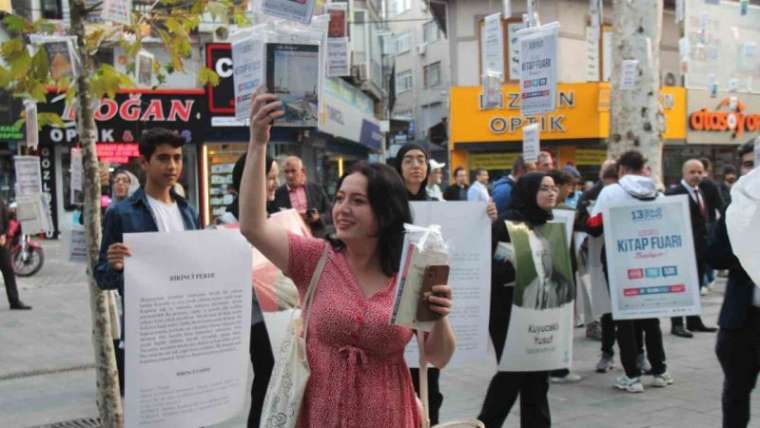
(538, 74)
(248, 72)
(187, 309)
(650, 259)
(470, 277)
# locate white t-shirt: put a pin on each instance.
(168, 217)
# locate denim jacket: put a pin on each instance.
(132, 215)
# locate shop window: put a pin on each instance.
(404, 81)
(431, 33)
(432, 74)
(403, 43)
(397, 7)
(51, 9)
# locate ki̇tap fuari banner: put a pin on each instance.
(650, 259)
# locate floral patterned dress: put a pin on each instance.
(358, 374)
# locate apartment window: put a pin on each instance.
(404, 81)
(51, 9)
(432, 74)
(397, 7)
(403, 43)
(430, 32)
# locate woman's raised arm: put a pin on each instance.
(267, 237)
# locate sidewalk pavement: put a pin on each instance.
(46, 373)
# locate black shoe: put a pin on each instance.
(20, 306)
(681, 332)
(703, 329)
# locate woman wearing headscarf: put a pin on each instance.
(535, 196)
(123, 185)
(412, 164)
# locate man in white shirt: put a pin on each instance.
(479, 190)
(154, 208)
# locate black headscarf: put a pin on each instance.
(422, 194)
(237, 178)
(524, 206)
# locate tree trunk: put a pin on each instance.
(636, 122)
(108, 396)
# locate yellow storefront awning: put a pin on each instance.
(583, 112)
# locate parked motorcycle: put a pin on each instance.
(27, 255)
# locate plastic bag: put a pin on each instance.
(423, 247)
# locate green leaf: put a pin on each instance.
(217, 9)
(198, 7)
(40, 65)
(206, 76)
(5, 78)
(16, 24)
(50, 119)
(19, 123)
(12, 47)
(20, 65)
(38, 91)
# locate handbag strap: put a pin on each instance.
(423, 380)
(309, 297)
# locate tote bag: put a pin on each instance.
(291, 371)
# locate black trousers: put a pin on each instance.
(739, 354)
(692, 321)
(262, 360)
(609, 334)
(435, 398)
(503, 391)
(532, 387)
(630, 347)
(9, 276)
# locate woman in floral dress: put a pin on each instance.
(358, 374)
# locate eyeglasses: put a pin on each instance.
(549, 189)
(122, 180)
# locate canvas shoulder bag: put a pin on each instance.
(291, 371)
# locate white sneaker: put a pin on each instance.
(643, 363)
(570, 378)
(703, 291)
(662, 380)
(625, 383)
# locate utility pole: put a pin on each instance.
(636, 122)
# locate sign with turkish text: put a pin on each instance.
(729, 118)
(650, 259)
(538, 68)
(124, 118)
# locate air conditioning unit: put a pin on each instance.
(359, 72)
(422, 49)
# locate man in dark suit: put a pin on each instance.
(307, 198)
(738, 347)
(692, 174)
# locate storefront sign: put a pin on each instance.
(582, 113)
(347, 112)
(577, 115)
(221, 98)
(714, 121)
(122, 120)
(47, 167)
(10, 133)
